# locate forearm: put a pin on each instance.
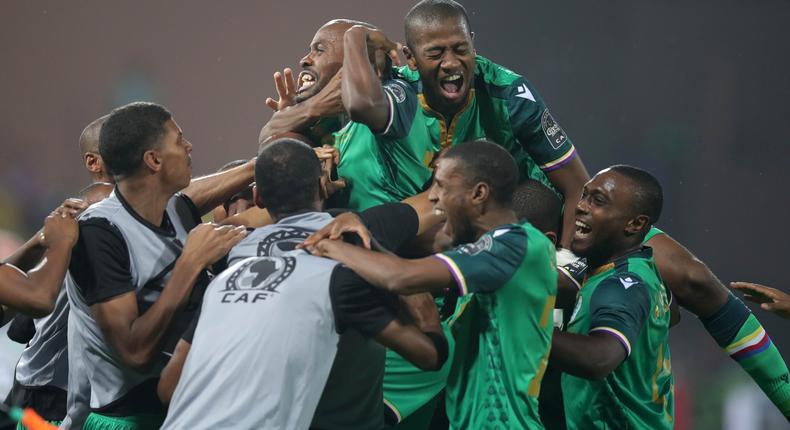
(36, 293)
(581, 355)
(208, 192)
(172, 372)
(140, 341)
(294, 118)
(385, 271)
(363, 97)
(27, 256)
(569, 180)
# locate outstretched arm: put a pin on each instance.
(389, 272)
(770, 299)
(208, 192)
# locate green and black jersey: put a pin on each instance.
(507, 282)
(626, 299)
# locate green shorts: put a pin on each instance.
(407, 388)
(135, 422)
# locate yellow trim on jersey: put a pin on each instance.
(459, 277)
(560, 160)
(393, 409)
(618, 334)
(752, 339)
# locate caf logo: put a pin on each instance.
(261, 274)
(282, 241)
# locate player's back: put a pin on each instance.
(262, 349)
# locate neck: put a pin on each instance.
(448, 112)
(493, 218)
(598, 261)
(316, 207)
(146, 197)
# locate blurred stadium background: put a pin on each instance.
(696, 92)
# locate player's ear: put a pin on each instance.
(92, 162)
(152, 161)
(257, 197)
(410, 60)
(552, 236)
(637, 224)
(480, 193)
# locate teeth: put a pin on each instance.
(438, 212)
(582, 226)
(452, 77)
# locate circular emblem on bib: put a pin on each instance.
(261, 274)
(282, 241)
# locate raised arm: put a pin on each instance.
(569, 181)
(136, 337)
(363, 96)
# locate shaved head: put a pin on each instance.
(89, 139)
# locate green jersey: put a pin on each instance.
(627, 299)
(503, 107)
(507, 283)
(388, 166)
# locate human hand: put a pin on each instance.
(377, 41)
(329, 157)
(347, 222)
(60, 229)
(329, 101)
(285, 83)
(770, 299)
(209, 242)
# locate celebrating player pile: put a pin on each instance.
(413, 229)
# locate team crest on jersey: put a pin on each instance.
(257, 279)
(483, 244)
(282, 241)
(397, 92)
(553, 131)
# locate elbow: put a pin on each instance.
(165, 391)
(41, 306)
(136, 360)
(598, 369)
(368, 111)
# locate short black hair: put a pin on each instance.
(539, 205)
(487, 162)
(287, 175)
(430, 12)
(649, 197)
(127, 133)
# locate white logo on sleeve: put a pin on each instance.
(628, 282)
(524, 92)
(500, 232)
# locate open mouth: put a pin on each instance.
(582, 230)
(451, 85)
(306, 80)
(438, 212)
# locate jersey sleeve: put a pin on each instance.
(358, 305)
(402, 107)
(536, 129)
(486, 265)
(187, 211)
(100, 262)
(391, 224)
(619, 306)
(189, 334)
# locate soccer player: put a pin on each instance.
(286, 308)
(615, 352)
(469, 97)
(378, 153)
(504, 275)
(770, 299)
(464, 96)
(89, 147)
(131, 279)
(41, 375)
